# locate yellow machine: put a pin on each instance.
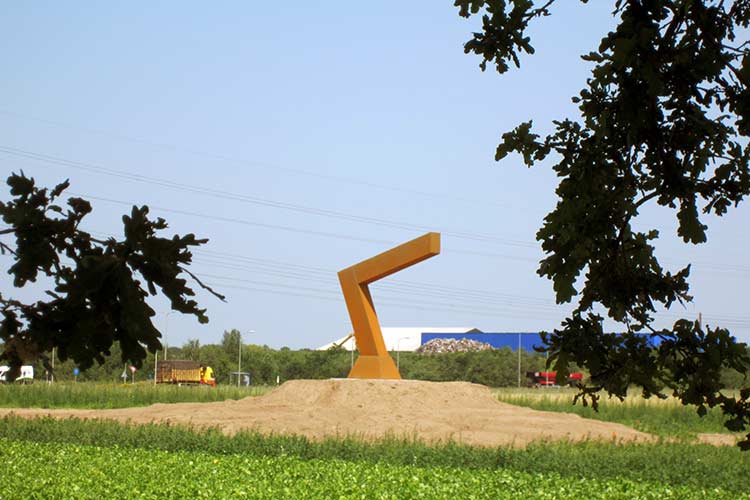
(374, 360)
(182, 372)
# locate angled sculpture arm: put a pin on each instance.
(374, 361)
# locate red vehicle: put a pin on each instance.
(547, 379)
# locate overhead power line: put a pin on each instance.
(227, 195)
(246, 222)
(323, 212)
(256, 164)
(393, 292)
(316, 211)
(423, 293)
(392, 284)
(411, 305)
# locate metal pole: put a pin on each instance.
(398, 352)
(156, 364)
(519, 360)
(166, 330)
(239, 359)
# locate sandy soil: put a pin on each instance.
(428, 411)
(717, 439)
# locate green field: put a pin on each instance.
(71, 458)
(37, 471)
(667, 418)
(660, 417)
(84, 459)
(92, 395)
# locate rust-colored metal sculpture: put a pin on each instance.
(374, 361)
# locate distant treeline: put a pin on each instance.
(495, 368)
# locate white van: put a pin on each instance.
(26, 376)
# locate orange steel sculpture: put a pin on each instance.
(374, 361)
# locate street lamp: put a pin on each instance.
(398, 352)
(239, 357)
(166, 329)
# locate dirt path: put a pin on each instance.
(429, 411)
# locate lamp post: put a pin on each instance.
(519, 360)
(239, 357)
(398, 352)
(166, 329)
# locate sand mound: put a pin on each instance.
(429, 411)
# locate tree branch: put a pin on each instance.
(540, 11)
(4, 247)
(203, 285)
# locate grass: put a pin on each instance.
(82, 459)
(668, 418)
(61, 470)
(90, 395)
(700, 467)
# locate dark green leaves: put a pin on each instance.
(522, 140)
(97, 297)
(690, 229)
(20, 185)
(503, 29)
(664, 118)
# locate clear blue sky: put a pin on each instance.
(276, 130)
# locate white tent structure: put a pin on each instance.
(399, 338)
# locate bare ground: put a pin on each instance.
(371, 409)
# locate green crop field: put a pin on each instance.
(94, 395)
(86, 459)
(656, 416)
(40, 471)
(45, 458)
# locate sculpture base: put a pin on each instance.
(375, 367)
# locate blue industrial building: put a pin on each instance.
(526, 340)
(406, 339)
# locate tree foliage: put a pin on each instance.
(664, 118)
(94, 287)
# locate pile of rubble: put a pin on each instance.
(439, 346)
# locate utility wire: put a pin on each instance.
(392, 285)
(495, 302)
(411, 305)
(477, 237)
(247, 163)
(293, 229)
(227, 195)
(417, 295)
(234, 220)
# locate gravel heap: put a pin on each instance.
(439, 346)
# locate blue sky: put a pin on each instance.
(303, 138)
